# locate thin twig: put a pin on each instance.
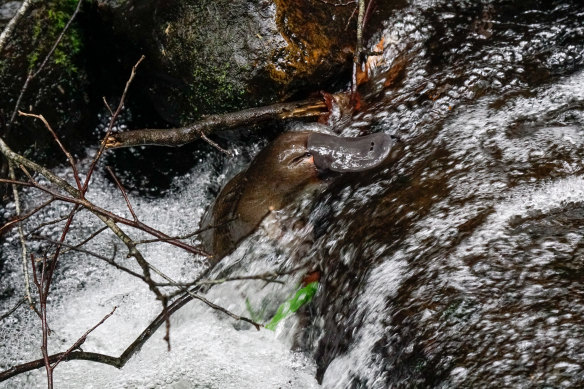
(48, 223)
(203, 299)
(340, 4)
(63, 149)
(44, 324)
(268, 277)
(215, 145)
(21, 236)
(82, 339)
(368, 12)
(93, 254)
(110, 126)
(107, 106)
(84, 241)
(53, 263)
(123, 192)
(187, 236)
(358, 47)
(25, 216)
(13, 309)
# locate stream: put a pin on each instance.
(461, 264)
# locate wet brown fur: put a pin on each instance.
(274, 179)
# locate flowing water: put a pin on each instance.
(459, 265)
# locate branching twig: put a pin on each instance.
(111, 125)
(268, 277)
(75, 199)
(123, 193)
(63, 149)
(203, 299)
(120, 361)
(93, 254)
(82, 339)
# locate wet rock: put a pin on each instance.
(461, 266)
(215, 56)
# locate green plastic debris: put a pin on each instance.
(303, 296)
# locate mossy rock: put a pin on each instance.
(210, 56)
(58, 92)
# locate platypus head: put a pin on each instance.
(293, 163)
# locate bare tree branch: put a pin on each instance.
(93, 254)
(63, 149)
(111, 125)
(213, 123)
(123, 193)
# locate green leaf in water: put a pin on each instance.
(303, 296)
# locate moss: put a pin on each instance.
(213, 90)
(50, 22)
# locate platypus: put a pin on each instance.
(293, 163)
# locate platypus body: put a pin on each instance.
(293, 163)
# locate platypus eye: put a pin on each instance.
(300, 158)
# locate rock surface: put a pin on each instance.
(215, 56)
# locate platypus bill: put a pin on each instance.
(293, 163)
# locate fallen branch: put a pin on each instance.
(214, 123)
